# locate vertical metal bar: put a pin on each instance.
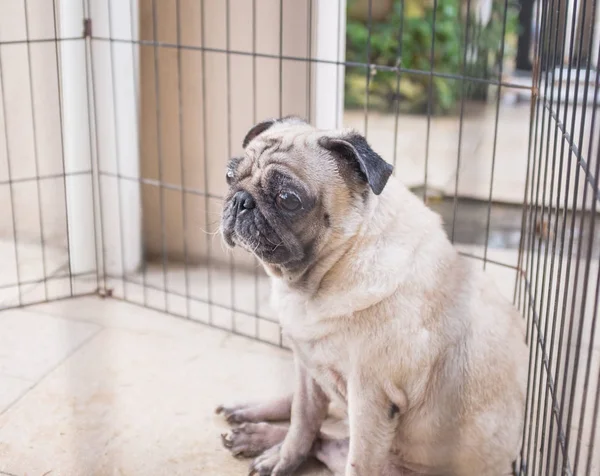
(586, 271)
(531, 203)
(593, 326)
(596, 414)
(338, 66)
(309, 63)
(430, 97)
(136, 86)
(461, 121)
(205, 158)
(543, 315)
(36, 153)
(97, 176)
(280, 89)
(368, 74)
(495, 143)
(595, 311)
(255, 120)
(398, 76)
(10, 184)
(561, 253)
(519, 294)
(570, 252)
(228, 86)
(62, 141)
(534, 262)
(159, 146)
(547, 391)
(527, 241)
(182, 161)
(117, 152)
(280, 58)
(91, 102)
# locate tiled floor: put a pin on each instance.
(99, 387)
(94, 386)
(34, 265)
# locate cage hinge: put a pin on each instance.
(105, 292)
(87, 27)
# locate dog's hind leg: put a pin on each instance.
(333, 453)
(277, 409)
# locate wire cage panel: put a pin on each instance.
(41, 167)
(117, 119)
(560, 282)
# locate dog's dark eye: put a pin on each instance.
(289, 201)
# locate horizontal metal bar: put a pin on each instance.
(53, 300)
(573, 148)
(165, 185)
(40, 40)
(199, 192)
(487, 260)
(192, 298)
(51, 277)
(213, 326)
(43, 177)
(348, 64)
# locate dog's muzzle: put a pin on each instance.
(244, 224)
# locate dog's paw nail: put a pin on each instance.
(219, 409)
(231, 418)
(226, 440)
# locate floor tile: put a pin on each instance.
(31, 344)
(11, 388)
(133, 402)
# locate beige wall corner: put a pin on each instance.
(198, 101)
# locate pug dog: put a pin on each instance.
(384, 317)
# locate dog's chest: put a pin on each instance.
(328, 364)
(316, 341)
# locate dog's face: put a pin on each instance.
(296, 191)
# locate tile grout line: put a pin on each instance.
(33, 309)
(46, 374)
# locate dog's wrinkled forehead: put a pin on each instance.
(321, 155)
(290, 145)
(281, 140)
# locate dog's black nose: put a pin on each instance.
(243, 201)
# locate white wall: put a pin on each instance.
(48, 151)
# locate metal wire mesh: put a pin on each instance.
(117, 120)
(559, 282)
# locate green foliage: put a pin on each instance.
(413, 20)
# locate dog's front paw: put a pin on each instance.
(266, 462)
(252, 439)
(273, 463)
(234, 414)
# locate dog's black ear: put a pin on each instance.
(257, 130)
(355, 149)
